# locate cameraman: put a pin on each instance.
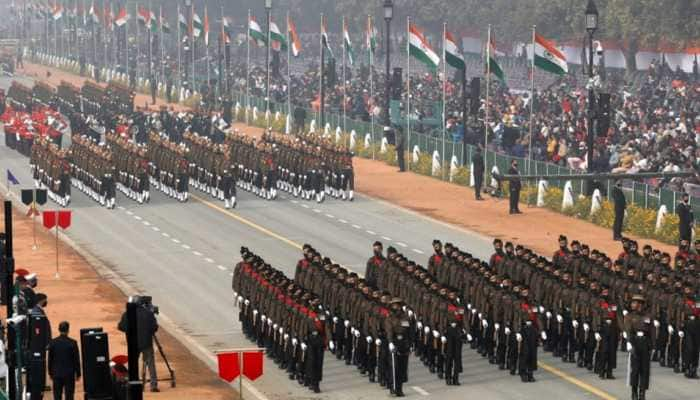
(146, 327)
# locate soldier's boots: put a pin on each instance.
(399, 390)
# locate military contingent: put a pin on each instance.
(580, 305)
(50, 168)
(93, 170)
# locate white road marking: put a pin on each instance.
(388, 239)
(175, 240)
(165, 234)
(129, 212)
(146, 223)
(155, 228)
(295, 201)
(316, 210)
(305, 205)
(186, 247)
(330, 216)
(209, 260)
(221, 267)
(371, 232)
(121, 208)
(402, 244)
(417, 251)
(196, 253)
(356, 226)
(342, 221)
(136, 217)
(420, 390)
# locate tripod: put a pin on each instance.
(167, 364)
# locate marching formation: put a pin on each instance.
(93, 170)
(51, 170)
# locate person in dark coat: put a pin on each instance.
(400, 149)
(64, 363)
(686, 218)
(478, 169)
(314, 357)
(514, 188)
(618, 198)
(147, 327)
(453, 346)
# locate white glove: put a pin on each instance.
(335, 320)
(347, 323)
(574, 323)
(469, 338)
(294, 341)
(518, 337)
(543, 335)
(657, 323)
(560, 319)
(357, 333)
(586, 327)
(624, 335)
(352, 331)
(426, 330)
(485, 323)
(269, 321)
(469, 306)
(481, 316)
(598, 338)
(247, 302)
(625, 312)
(274, 326)
(670, 329)
(240, 299)
(436, 334)
(507, 330)
(378, 342)
(263, 318)
(681, 333)
(410, 314)
(303, 346)
(281, 331)
(419, 325)
(369, 339)
(286, 336)
(403, 308)
(235, 294)
(548, 314)
(331, 345)
(629, 346)
(255, 312)
(443, 339)
(497, 326)
(391, 347)
(541, 309)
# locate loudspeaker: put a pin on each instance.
(603, 114)
(97, 382)
(396, 83)
(474, 96)
(39, 335)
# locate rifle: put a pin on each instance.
(393, 370)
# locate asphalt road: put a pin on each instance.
(183, 255)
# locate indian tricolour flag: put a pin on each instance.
(294, 38)
(370, 38)
(279, 41)
(491, 63)
(197, 25)
(453, 56)
(348, 44)
(548, 57)
(255, 32)
(419, 48)
(122, 17)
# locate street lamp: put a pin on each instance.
(591, 27)
(388, 15)
(268, 8)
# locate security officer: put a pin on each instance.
(620, 203)
(638, 334)
(397, 333)
(514, 188)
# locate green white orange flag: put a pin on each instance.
(348, 44)
(453, 56)
(548, 57)
(255, 32)
(279, 41)
(419, 48)
(492, 64)
(294, 38)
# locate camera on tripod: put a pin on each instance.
(147, 303)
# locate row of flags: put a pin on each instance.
(546, 55)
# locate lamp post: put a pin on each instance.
(388, 15)
(591, 27)
(268, 8)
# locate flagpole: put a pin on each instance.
(206, 50)
(444, 83)
(532, 101)
(150, 45)
(408, 89)
(138, 47)
(370, 32)
(247, 72)
(55, 31)
(345, 89)
(179, 60)
(267, 68)
(162, 52)
(320, 86)
(488, 85)
(192, 41)
(289, 62)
